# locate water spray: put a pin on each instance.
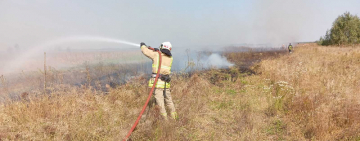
(89, 38)
(19, 61)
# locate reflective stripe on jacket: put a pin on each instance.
(159, 84)
(166, 64)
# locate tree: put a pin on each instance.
(345, 30)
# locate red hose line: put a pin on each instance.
(148, 99)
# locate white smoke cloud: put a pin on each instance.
(215, 60)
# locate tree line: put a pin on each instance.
(344, 31)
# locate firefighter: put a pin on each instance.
(162, 91)
(290, 47)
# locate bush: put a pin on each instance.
(345, 31)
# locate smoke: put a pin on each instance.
(198, 60)
(278, 22)
(187, 24)
(215, 60)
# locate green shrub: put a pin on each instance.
(345, 30)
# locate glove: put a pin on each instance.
(156, 49)
(142, 44)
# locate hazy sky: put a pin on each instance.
(186, 23)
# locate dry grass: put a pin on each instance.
(324, 102)
(311, 94)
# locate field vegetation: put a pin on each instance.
(311, 94)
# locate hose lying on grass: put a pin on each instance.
(148, 99)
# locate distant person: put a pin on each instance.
(162, 87)
(290, 47)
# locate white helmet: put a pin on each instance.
(166, 45)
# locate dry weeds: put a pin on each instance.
(311, 94)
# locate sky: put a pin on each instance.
(185, 23)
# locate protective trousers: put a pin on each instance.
(162, 99)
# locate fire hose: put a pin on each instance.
(148, 99)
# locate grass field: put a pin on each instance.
(311, 94)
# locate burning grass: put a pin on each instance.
(311, 94)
